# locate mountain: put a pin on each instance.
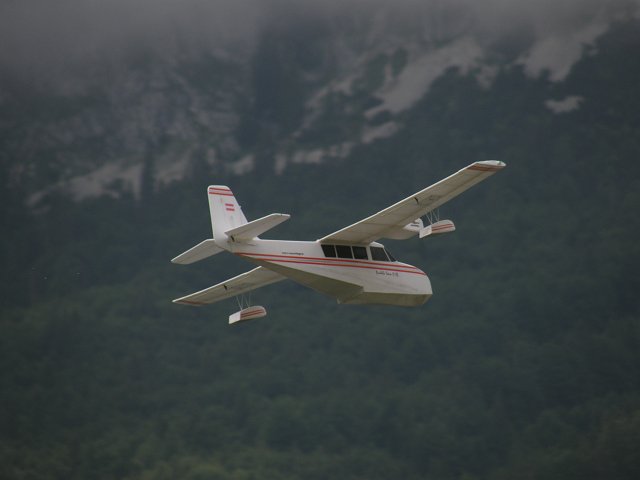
(524, 364)
(309, 91)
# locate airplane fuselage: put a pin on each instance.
(352, 279)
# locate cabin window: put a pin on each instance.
(378, 254)
(390, 256)
(344, 251)
(360, 253)
(329, 250)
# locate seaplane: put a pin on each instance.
(349, 264)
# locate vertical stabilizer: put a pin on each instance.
(225, 212)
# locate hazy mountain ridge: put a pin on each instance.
(306, 93)
(108, 131)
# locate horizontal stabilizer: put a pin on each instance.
(202, 250)
(253, 229)
(443, 226)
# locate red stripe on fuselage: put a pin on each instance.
(326, 259)
(323, 262)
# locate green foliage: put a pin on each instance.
(525, 364)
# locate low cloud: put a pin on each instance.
(42, 37)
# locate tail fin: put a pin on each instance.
(225, 212)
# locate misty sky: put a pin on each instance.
(37, 36)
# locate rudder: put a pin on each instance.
(225, 212)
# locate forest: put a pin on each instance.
(524, 364)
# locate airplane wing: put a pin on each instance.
(406, 211)
(245, 282)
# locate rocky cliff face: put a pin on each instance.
(308, 90)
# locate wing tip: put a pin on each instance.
(492, 163)
(486, 166)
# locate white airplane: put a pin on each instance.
(348, 265)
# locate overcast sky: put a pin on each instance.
(40, 35)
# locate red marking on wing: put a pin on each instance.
(484, 168)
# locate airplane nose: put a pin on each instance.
(428, 289)
(425, 292)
